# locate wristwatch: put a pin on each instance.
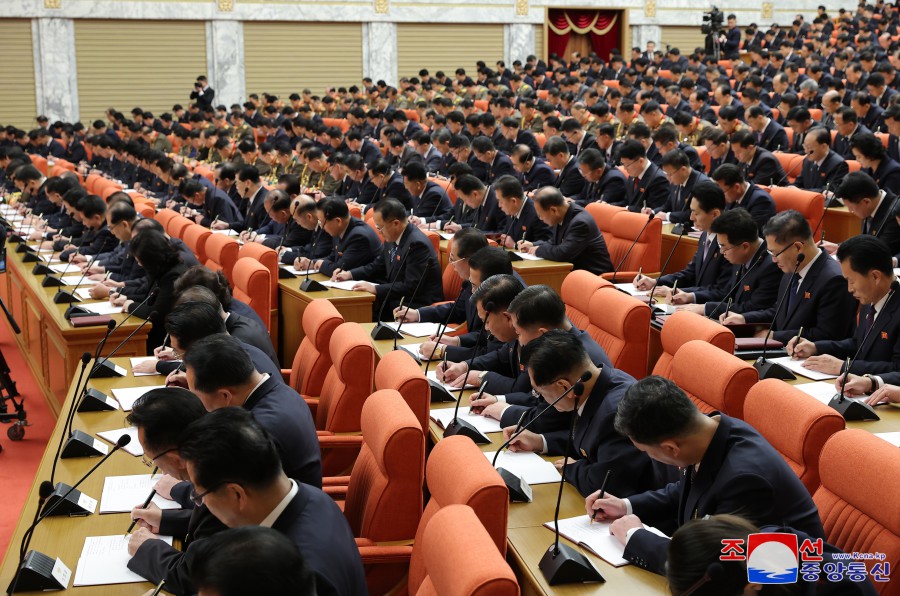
(481, 376)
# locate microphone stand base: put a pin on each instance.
(51, 281)
(63, 297)
(106, 369)
(97, 401)
(41, 269)
(39, 572)
(461, 427)
(15, 239)
(772, 370)
(680, 229)
(285, 274)
(382, 331)
(519, 490)
(567, 566)
(81, 444)
(24, 248)
(311, 285)
(30, 257)
(439, 394)
(413, 355)
(513, 256)
(851, 409)
(75, 505)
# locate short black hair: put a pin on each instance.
(737, 225)
(708, 196)
(91, 205)
(489, 260)
(218, 361)
(788, 226)
(548, 197)
(333, 208)
(192, 321)
(857, 186)
(468, 183)
(632, 149)
(251, 560)
(415, 171)
(499, 290)
(592, 158)
(556, 146)
(655, 409)
(509, 187)
(202, 276)
(163, 414)
(390, 209)
(538, 305)
(228, 445)
(554, 355)
(869, 145)
(728, 173)
(155, 252)
(468, 241)
(866, 253)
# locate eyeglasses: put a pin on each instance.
(779, 253)
(197, 499)
(454, 261)
(150, 462)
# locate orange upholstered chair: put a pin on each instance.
(195, 237)
(790, 162)
(796, 424)
(621, 325)
(577, 289)
(456, 473)
(269, 258)
(603, 214)
(222, 254)
(39, 162)
(682, 327)
(252, 284)
(625, 227)
(313, 358)
(177, 225)
(163, 216)
(714, 380)
(705, 157)
(451, 538)
(397, 370)
(811, 204)
(347, 385)
(860, 476)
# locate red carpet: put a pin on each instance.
(19, 459)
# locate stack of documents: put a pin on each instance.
(104, 561)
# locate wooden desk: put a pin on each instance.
(353, 306)
(549, 273)
(528, 539)
(52, 347)
(683, 254)
(64, 537)
(839, 225)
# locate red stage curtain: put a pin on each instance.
(602, 26)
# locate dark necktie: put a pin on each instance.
(870, 319)
(867, 226)
(792, 293)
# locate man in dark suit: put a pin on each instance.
(867, 111)
(533, 171)
(569, 180)
(251, 489)
(732, 45)
(354, 242)
(408, 129)
(97, 238)
(496, 162)
(203, 94)
(578, 139)
(847, 124)
(728, 468)
(682, 179)
(875, 207)
(429, 200)
(160, 416)
(817, 298)
(575, 237)
(431, 157)
(822, 167)
(871, 154)
(866, 263)
(514, 135)
(253, 193)
(646, 186)
(603, 182)
(482, 203)
(754, 280)
(758, 165)
(408, 261)
(383, 182)
(608, 145)
(555, 361)
(770, 135)
(743, 194)
(209, 204)
(708, 270)
(222, 375)
(522, 221)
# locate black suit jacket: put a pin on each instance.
(287, 419)
(758, 202)
(487, 217)
(577, 240)
(218, 205)
(610, 188)
(250, 332)
(884, 225)
(678, 203)
(880, 351)
(501, 166)
(432, 204)
(740, 473)
(700, 275)
(318, 527)
(887, 175)
(359, 246)
(774, 138)
(833, 170)
(764, 169)
(569, 181)
(527, 225)
(841, 144)
(420, 261)
(652, 190)
(255, 216)
(757, 290)
(539, 176)
(822, 305)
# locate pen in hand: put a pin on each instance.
(799, 337)
(145, 505)
(602, 494)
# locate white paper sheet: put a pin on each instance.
(227, 232)
(121, 494)
(298, 272)
(102, 308)
(104, 561)
(821, 390)
(796, 367)
(112, 436)
(444, 416)
(527, 256)
(64, 268)
(71, 280)
(892, 438)
(128, 395)
(140, 359)
(340, 285)
(84, 293)
(445, 235)
(595, 537)
(417, 329)
(432, 376)
(632, 290)
(533, 468)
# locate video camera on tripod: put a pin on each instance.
(713, 28)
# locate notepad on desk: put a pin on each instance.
(796, 366)
(341, 285)
(104, 561)
(102, 308)
(631, 290)
(112, 436)
(527, 256)
(84, 293)
(71, 280)
(531, 467)
(121, 494)
(432, 376)
(594, 537)
(444, 416)
(62, 268)
(139, 360)
(128, 395)
(417, 329)
(299, 272)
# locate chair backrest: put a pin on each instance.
(313, 358)
(809, 203)
(860, 473)
(177, 225)
(252, 284)
(621, 325)
(458, 473)
(790, 163)
(349, 380)
(397, 370)
(446, 185)
(853, 165)
(577, 289)
(603, 214)
(705, 157)
(796, 424)
(39, 162)
(384, 496)
(163, 216)
(684, 326)
(435, 239)
(195, 237)
(445, 554)
(221, 254)
(268, 257)
(714, 380)
(625, 227)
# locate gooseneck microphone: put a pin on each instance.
(462, 427)
(650, 218)
(773, 370)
